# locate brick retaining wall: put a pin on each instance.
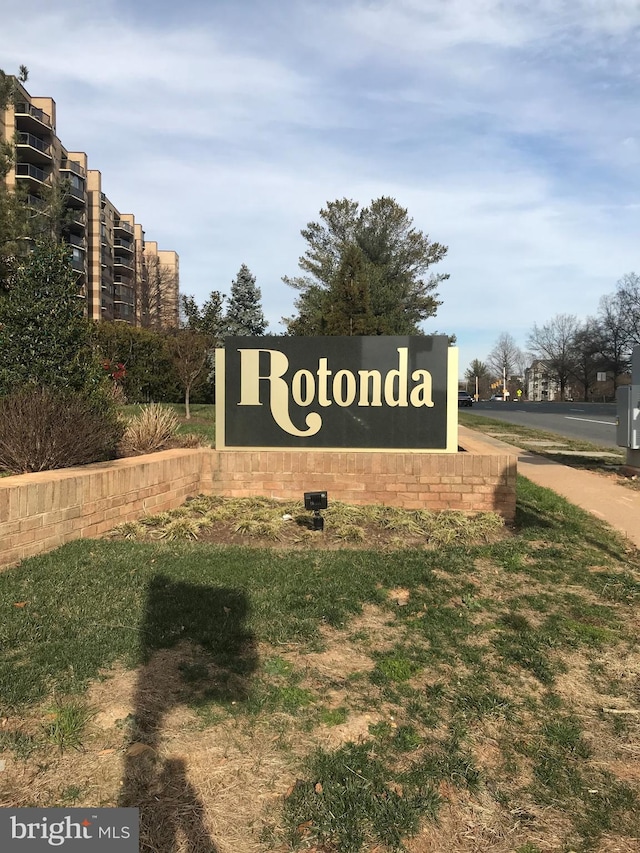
(40, 511)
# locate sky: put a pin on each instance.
(509, 129)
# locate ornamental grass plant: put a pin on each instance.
(151, 430)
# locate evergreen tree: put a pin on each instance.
(396, 257)
(208, 320)
(244, 313)
(480, 372)
(44, 338)
(348, 298)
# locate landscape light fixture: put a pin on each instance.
(314, 502)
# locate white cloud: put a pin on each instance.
(508, 128)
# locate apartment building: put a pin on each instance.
(541, 383)
(116, 266)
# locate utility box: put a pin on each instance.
(628, 427)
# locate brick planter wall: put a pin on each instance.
(38, 512)
(41, 511)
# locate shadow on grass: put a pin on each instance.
(193, 642)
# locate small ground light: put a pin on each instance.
(315, 501)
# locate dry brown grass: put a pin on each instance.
(216, 785)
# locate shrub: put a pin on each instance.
(190, 439)
(42, 429)
(149, 431)
(44, 337)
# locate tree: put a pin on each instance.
(614, 335)
(554, 343)
(396, 257)
(587, 346)
(505, 358)
(189, 351)
(244, 311)
(12, 214)
(149, 372)
(349, 301)
(24, 218)
(628, 292)
(158, 295)
(44, 338)
(208, 320)
(480, 371)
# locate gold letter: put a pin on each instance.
(350, 388)
(309, 387)
(421, 395)
(323, 388)
(376, 387)
(250, 389)
(402, 375)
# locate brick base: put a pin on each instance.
(40, 511)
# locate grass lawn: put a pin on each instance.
(582, 454)
(471, 696)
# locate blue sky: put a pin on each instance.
(510, 129)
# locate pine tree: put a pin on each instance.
(244, 313)
(208, 320)
(397, 257)
(348, 299)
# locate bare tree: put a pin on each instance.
(615, 345)
(628, 292)
(158, 294)
(587, 347)
(506, 357)
(189, 351)
(555, 344)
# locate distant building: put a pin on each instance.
(121, 276)
(540, 382)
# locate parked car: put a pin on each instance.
(465, 399)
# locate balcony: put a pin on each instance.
(34, 174)
(73, 166)
(75, 240)
(77, 265)
(122, 263)
(125, 245)
(123, 312)
(35, 202)
(75, 196)
(32, 149)
(119, 225)
(77, 222)
(29, 117)
(123, 299)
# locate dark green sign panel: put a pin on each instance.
(359, 392)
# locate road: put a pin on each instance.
(594, 422)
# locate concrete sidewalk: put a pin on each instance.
(604, 498)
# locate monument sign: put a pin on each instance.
(369, 393)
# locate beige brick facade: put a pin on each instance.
(119, 273)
